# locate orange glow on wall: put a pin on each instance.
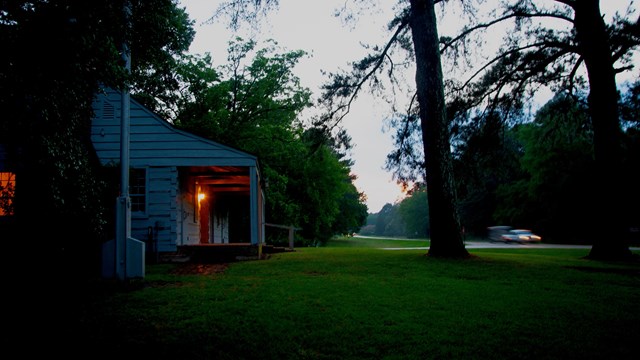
(7, 192)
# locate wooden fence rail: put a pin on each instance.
(291, 229)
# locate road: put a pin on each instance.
(498, 245)
(488, 245)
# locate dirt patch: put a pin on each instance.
(200, 269)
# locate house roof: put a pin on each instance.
(153, 140)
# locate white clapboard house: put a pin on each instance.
(185, 190)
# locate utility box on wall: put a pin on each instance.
(135, 260)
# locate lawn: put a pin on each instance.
(348, 302)
(374, 242)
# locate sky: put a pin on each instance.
(310, 25)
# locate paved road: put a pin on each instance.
(490, 245)
(498, 245)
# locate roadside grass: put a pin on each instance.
(339, 302)
(374, 242)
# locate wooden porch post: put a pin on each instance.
(253, 205)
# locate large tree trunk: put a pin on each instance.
(446, 238)
(610, 235)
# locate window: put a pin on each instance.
(138, 189)
(7, 192)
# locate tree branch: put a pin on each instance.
(559, 45)
(465, 32)
(345, 107)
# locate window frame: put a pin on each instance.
(141, 191)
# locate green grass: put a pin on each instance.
(373, 242)
(340, 302)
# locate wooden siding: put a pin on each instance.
(189, 230)
(164, 151)
(153, 141)
(161, 210)
(162, 205)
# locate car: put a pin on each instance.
(494, 233)
(520, 236)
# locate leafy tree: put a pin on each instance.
(369, 227)
(256, 102)
(352, 214)
(631, 149)
(630, 106)
(159, 40)
(407, 218)
(382, 219)
(486, 156)
(388, 221)
(254, 105)
(323, 191)
(558, 157)
(414, 210)
(557, 160)
(61, 52)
